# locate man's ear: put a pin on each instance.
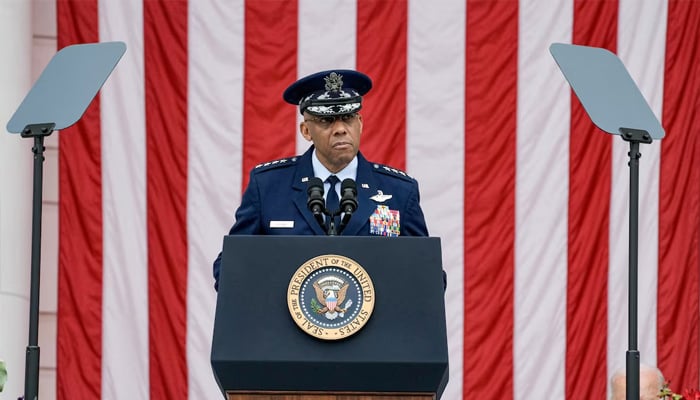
(304, 129)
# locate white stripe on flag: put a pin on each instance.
(327, 40)
(125, 292)
(646, 65)
(542, 189)
(435, 146)
(641, 47)
(215, 104)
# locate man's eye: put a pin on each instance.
(326, 120)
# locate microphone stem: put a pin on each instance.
(319, 218)
(344, 221)
(331, 228)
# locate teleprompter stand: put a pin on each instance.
(615, 105)
(56, 101)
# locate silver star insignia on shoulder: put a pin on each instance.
(380, 197)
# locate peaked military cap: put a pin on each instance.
(332, 92)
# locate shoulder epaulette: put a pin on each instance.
(387, 170)
(282, 162)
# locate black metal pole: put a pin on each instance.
(634, 136)
(633, 352)
(31, 373)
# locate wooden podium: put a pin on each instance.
(259, 352)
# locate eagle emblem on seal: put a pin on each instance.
(331, 293)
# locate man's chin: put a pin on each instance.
(342, 159)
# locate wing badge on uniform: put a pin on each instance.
(380, 197)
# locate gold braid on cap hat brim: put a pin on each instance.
(329, 102)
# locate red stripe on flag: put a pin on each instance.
(79, 325)
(270, 66)
(489, 197)
(381, 53)
(679, 201)
(165, 45)
(590, 169)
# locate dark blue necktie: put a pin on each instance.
(332, 201)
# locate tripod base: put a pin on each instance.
(632, 375)
(31, 370)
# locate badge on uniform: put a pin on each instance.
(281, 224)
(380, 197)
(385, 222)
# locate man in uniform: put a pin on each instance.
(275, 201)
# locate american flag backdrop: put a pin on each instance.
(530, 200)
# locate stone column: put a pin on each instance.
(15, 193)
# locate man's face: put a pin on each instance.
(337, 139)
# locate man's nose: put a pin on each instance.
(339, 127)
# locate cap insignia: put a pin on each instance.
(334, 82)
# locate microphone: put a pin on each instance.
(348, 193)
(348, 201)
(315, 202)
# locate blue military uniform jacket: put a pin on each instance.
(276, 196)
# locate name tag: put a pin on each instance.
(281, 224)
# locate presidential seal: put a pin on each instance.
(330, 297)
